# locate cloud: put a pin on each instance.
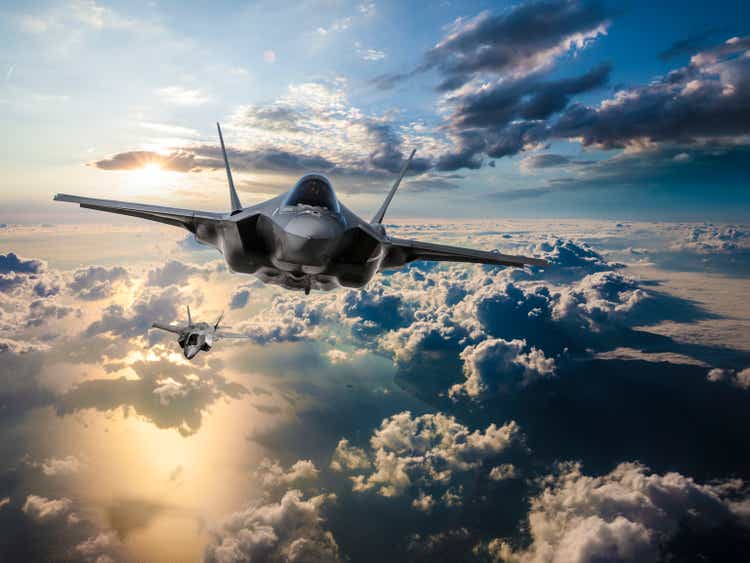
(738, 378)
(688, 45)
(288, 530)
(629, 514)
(97, 282)
(176, 272)
(349, 458)
(150, 305)
(182, 96)
(503, 471)
(518, 42)
(166, 394)
(104, 547)
(10, 263)
(496, 364)
(428, 450)
(42, 509)
(272, 475)
(53, 466)
(706, 100)
(178, 161)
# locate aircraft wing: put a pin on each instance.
(415, 250)
(186, 218)
(168, 328)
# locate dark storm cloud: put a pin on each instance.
(12, 263)
(688, 45)
(528, 98)
(266, 159)
(519, 41)
(708, 99)
(179, 161)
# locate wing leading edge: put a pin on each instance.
(410, 250)
(187, 218)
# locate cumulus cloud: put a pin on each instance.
(272, 475)
(738, 378)
(288, 530)
(97, 282)
(347, 457)
(55, 466)
(497, 364)
(426, 450)
(176, 272)
(628, 514)
(42, 509)
(150, 305)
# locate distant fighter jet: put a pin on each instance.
(303, 239)
(197, 337)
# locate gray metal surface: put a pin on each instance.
(318, 244)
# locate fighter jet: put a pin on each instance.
(197, 337)
(305, 238)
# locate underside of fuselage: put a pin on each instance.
(301, 246)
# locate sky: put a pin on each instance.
(552, 109)
(593, 410)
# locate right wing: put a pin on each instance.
(168, 328)
(186, 218)
(410, 250)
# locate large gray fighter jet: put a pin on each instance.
(197, 337)
(303, 239)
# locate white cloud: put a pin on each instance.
(182, 96)
(429, 449)
(625, 515)
(738, 378)
(503, 471)
(424, 502)
(105, 547)
(54, 466)
(43, 509)
(500, 364)
(272, 475)
(288, 530)
(349, 458)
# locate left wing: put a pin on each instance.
(187, 218)
(404, 251)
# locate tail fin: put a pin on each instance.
(216, 325)
(233, 197)
(378, 218)
(190, 319)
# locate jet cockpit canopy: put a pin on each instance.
(314, 190)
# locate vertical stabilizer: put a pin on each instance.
(190, 319)
(378, 218)
(216, 325)
(233, 197)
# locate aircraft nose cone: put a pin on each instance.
(190, 352)
(312, 226)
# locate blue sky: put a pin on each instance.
(84, 82)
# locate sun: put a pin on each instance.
(147, 178)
